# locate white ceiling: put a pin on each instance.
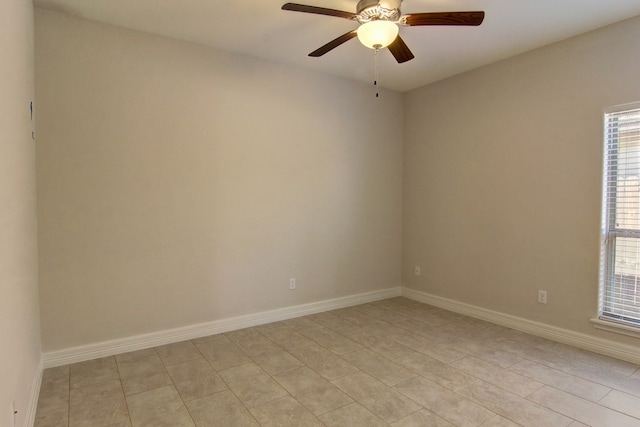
(259, 28)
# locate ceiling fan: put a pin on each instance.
(379, 21)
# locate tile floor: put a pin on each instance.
(393, 362)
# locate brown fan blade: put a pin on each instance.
(444, 18)
(400, 50)
(334, 44)
(318, 10)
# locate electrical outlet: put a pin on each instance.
(542, 297)
(292, 283)
(416, 270)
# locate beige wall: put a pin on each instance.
(19, 320)
(180, 185)
(502, 178)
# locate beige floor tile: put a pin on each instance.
(54, 393)
(288, 338)
(208, 338)
(434, 316)
(356, 333)
(93, 372)
(377, 397)
(499, 358)
(252, 385)
(351, 415)
(396, 331)
(615, 380)
(221, 352)
(325, 363)
(561, 380)
(371, 326)
(312, 390)
(101, 404)
(381, 368)
(529, 340)
(220, 410)
(390, 316)
(487, 336)
(299, 379)
(328, 320)
(622, 402)
(178, 352)
(503, 332)
(474, 328)
(508, 380)
(422, 418)
(142, 374)
(350, 313)
(594, 359)
(195, 378)
(382, 328)
(466, 328)
(52, 419)
(352, 366)
(160, 407)
(386, 347)
(388, 327)
(304, 322)
(410, 311)
(543, 356)
(52, 374)
(443, 352)
(125, 357)
(285, 411)
(433, 349)
(513, 407)
(251, 341)
(580, 409)
(438, 372)
(499, 421)
(331, 340)
(267, 326)
(393, 303)
(359, 333)
(451, 406)
(323, 398)
(275, 360)
(471, 345)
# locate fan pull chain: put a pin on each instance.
(375, 72)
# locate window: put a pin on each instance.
(620, 275)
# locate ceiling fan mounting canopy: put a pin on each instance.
(372, 11)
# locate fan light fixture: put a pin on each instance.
(377, 34)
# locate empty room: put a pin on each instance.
(336, 213)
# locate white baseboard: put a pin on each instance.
(565, 336)
(32, 405)
(154, 339)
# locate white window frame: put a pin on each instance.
(611, 315)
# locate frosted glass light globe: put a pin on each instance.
(377, 34)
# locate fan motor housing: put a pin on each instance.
(370, 10)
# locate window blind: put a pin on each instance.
(620, 284)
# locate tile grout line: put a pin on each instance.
(126, 403)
